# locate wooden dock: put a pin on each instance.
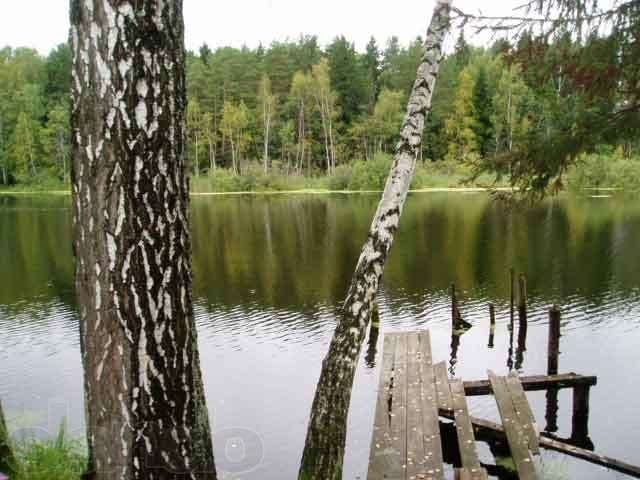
(406, 440)
(414, 393)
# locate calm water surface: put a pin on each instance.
(270, 272)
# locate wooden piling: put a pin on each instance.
(522, 298)
(454, 306)
(512, 291)
(580, 418)
(553, 351)
(492, 328)
(553, 354)
(522, 344)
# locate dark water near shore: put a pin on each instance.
(270, 272)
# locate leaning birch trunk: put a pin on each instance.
(324, 447)
(8, 464)
(145, 408)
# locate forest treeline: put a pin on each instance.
(295, 109)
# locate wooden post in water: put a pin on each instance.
(580, 419)
(512, 290)
(522, 299)
(492, 328)
(523, 325)
(454, 307)
(553, 354)
(7, 458)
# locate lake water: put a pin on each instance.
(270, 273)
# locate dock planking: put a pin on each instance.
(517, 437)
(414, 425)
(471, 467)
(524, 413)
(445, 402)
(406, 439)
(384, 458)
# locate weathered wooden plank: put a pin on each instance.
(533, 383)
(464, 428)
(442, 387)
(384, 461)
(425, 347)
(488, 429)
(470, 474)
(524, 413)
(516, 437)
(433, 457)
(398, 403)
(414, 427)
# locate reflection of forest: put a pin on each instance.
(35, 249)
(294, 252)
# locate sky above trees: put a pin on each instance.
(44, 24)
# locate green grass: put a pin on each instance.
(358, 176)
(59, 459)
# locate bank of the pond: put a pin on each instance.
(295, 192)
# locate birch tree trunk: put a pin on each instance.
(145, 408)
(324, 447)
(266, 142)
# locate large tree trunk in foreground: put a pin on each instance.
(145, 409)
(324, 448)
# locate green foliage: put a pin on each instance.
(521, 112)
(370, 175)
(483, 109)
(462, 124)
(59, 459)
(605, 169)
(348, 78)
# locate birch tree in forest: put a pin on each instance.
(301, 93)
(194, 131)
(267, 105)
(325, 100)
(324, 448)
(146, 414)
(235, 120)
(510, 115)
(24, 146)
(210, 135)
(461, 126)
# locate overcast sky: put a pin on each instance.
(42, 24)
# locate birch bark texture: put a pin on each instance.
(324, 448)
(145, 408)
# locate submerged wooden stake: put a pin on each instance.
(580, 419)
(554, 341)
(553, 353)
(492, 328)
(454, 306)
(512, 292)
(522, 299)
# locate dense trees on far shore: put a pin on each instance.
(295, 108)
